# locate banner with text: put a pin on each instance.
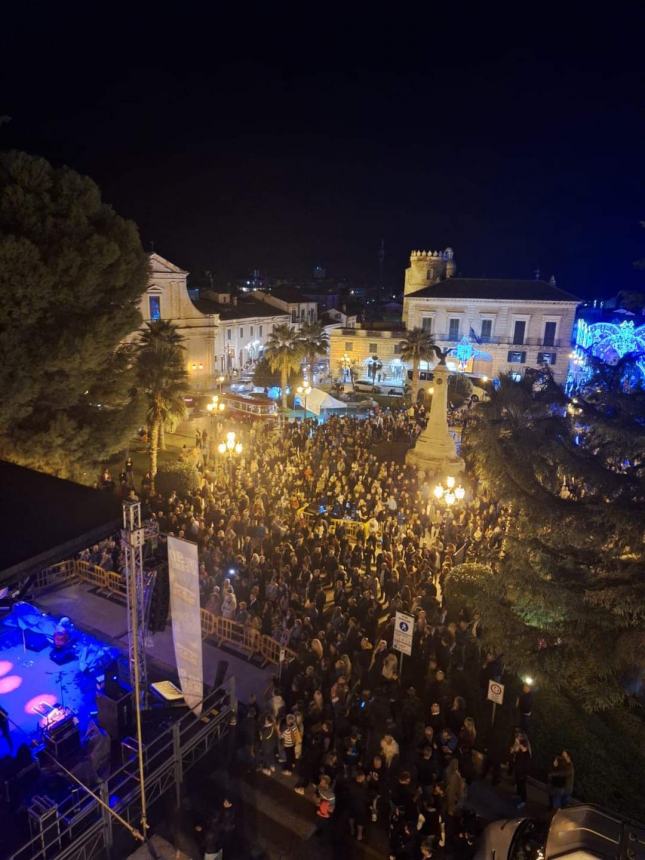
(183, 573)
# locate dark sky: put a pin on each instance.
(275, 141)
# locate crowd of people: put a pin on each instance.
(312, 539)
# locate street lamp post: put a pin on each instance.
(450, 493)
(303, 392)
(220, 382)
(230, 449)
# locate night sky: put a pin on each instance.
(276, 142)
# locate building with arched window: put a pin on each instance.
(222, 332)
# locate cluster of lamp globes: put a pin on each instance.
(450, 493)
(215, 405)
(230, 446)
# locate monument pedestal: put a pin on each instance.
(434, 452)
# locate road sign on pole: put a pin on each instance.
(403, 631)
(496, 692)
(496, 696)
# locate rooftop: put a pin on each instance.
(288, 294)
(45, 520)
(510, 289)
(244, 309)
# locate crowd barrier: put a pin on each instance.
(242, 637)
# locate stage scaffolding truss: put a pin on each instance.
(133, 539)
(80, 829)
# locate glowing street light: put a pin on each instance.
(230, 448)
(303, 392)
(215, 405)
(450, 493)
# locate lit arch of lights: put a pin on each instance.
(610, 342)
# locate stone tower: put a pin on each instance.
(426, 268)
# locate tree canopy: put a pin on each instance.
(71, 274)
(162, 375)
(284, 352)
(417, 346)
(569, 588)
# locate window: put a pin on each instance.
(426, 324)
(546, 357)
(397, 349)
(259, 331)
(241, 332)
(516, 357)
(155, 307)
(373, 348)
(487, 330)
(518, 331)
(251, 332)
(294, 316)
(549, 334)
(349, 346)
(516, 377)
(453, 329)
(228, 333)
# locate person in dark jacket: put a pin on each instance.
(521, 759)
(358, 804)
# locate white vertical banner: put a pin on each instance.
(183, 573)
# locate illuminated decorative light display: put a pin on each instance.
(465, 351)
(609, 342)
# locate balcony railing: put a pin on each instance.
(501, 340)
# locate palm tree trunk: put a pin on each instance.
(415, 379)
(153, 449)
(162, 436)
(284, 370)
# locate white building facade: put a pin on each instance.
(222, 334)
(496, 325)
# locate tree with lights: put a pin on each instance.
(569, 586)
(284, 352)
(162, 376)
(71, 274)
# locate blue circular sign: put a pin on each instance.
(403, 626)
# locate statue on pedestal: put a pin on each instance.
(434, 452)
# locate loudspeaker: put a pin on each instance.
(35, 641)
(222, 669)
(115, 714)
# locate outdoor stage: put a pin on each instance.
(36, 676)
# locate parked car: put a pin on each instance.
(582, 832)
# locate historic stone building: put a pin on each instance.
(493, 325)
(222, 332)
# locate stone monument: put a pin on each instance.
(434, 452)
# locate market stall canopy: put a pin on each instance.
(320, 401)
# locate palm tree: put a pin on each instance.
(417, 346)
(315, 342)
(283, 351)
(162, 375)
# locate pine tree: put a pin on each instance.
(71, 273)
(571, 471)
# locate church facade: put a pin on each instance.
(221, 332)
